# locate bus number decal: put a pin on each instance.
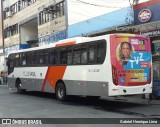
(29, 74)
(94, 70)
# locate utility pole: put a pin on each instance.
(136, 1)
(2, 25)
(133, 2)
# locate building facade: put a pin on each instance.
(147, 22)
(32, 23)
(27, 21)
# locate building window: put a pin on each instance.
(18, 6)
(13, 9)
(76, 54)
(4, 15)
(52, 12)
(11, 31)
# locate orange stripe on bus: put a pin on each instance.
(54, 74)
(44, 81)
(66, 43)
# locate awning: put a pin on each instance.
(141, 28)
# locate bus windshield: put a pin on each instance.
(131, 60)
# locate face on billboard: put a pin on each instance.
(124, 51)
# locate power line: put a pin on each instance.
(80, 1)
(97, 17)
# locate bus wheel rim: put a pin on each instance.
(60, 92)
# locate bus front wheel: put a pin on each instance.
(61, 91)
(19, 89)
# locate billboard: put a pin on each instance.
(131, 60)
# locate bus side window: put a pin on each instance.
(92, 53)
(20, 60)
(46, 55)
(51, 57)
(69, 55)
(84, 54)
(11, 64)
(24, 60)
(41, 58)
(76, 54)
(32, 59)
(37, 58)
(28, 59)
(100, 52)
(56, 56)
(63, 55)
(17, 58)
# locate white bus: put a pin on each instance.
(109, 65)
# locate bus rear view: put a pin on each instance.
(131, 65)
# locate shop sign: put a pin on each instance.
(151, 33)
(144, 15)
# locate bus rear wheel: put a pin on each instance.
(61, 91)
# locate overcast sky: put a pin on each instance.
(81, 10)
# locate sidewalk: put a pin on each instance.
(3, 85)
(133, 99)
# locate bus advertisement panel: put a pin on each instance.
(131, 60)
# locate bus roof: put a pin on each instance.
(69, 41)
(56, 44)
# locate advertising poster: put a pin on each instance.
(131, 60)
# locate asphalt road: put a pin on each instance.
(45, 105)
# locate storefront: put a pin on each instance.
(147, 22)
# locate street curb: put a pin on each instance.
(2, 85)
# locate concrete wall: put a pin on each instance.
(28, 33)
(25, 15)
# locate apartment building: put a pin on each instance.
(27, 22)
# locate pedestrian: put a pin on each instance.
(5, 75)
(1, 79)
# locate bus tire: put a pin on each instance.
(61, 91)
(19, 87)
(152, 96)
